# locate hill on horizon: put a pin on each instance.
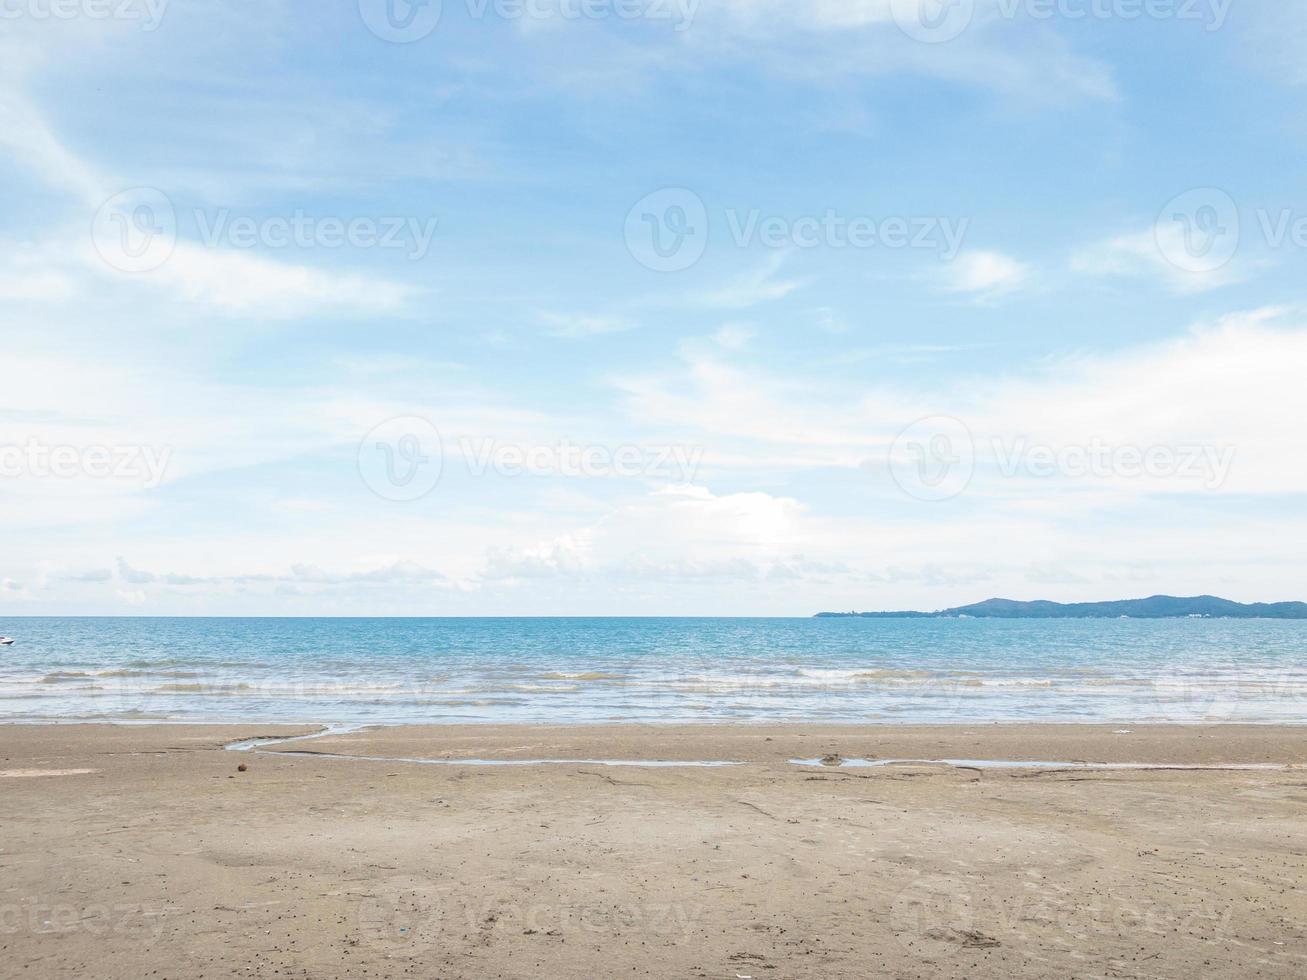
(1154, 607)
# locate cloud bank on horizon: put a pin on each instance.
(648, 306)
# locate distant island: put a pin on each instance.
(1154, 607)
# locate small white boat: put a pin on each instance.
(6, 641)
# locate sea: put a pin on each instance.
(595, 670)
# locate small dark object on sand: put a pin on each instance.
(832, 759)
(242, 767)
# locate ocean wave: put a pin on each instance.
(203, 689)
(864, 673)
(191, 664)
(472, 702)
(130, 714)
(542, 688)
(655, 671)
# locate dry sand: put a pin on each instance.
(141, 852)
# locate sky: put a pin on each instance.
(649, 307)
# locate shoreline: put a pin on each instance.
(742, 742)
(708, 725)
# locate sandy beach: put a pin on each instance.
(142, 851)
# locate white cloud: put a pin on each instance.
(830, 321)
(575, 326)
(666, 534)
(224, 281)
(709, 396)
(1228, 386)
(817, 40)
(733, 336)
(28, 138)
(34, 276)
(265, 470)
(241, 284)
(986, 274)
(1145, 255)
(759, 285)
(812, 14)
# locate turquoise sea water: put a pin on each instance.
(662, 670)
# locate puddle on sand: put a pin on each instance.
(1028, 764)
(254, 744)
(643, 763)
(257, 744)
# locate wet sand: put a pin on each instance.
(142, 852)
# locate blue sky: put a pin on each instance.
(305, 311)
